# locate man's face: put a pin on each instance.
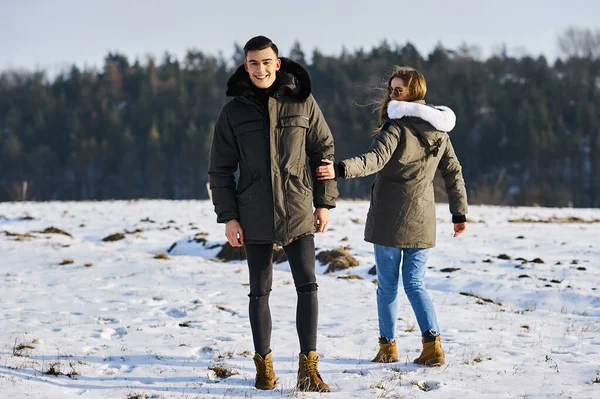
(261, 65)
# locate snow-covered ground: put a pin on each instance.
(117, 323)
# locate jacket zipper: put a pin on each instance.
(282, 175)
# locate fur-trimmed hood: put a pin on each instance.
(440, 117)
(292, 78)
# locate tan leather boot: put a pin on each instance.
(265, 375)
(432, 354)
(309, 378)
(388, 353)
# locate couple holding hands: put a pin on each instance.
(268, 130)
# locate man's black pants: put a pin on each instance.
(301, 256)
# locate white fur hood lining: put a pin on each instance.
(440, 117)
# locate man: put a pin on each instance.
(268, 130)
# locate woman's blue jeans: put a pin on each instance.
(388, 261)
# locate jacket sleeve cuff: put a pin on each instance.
(226, 217)
(326, 206)
(340, 170)
(459, 218)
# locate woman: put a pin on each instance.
(410, 145)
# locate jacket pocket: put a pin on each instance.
(298, 204)
(292, 139)
(253, 126)
(293, 127)
(294, 121)
(296, 186)
(249, 206)
(252, 140)
(246, 193)
(296, 182)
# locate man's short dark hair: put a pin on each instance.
(260, 43)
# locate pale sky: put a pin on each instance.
(53, 35)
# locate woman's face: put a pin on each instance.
(397, 90)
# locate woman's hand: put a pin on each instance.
(327, 171)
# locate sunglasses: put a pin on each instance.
(395, 91)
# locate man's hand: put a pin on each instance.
(459, 228)
(234, 233)
(321, 219)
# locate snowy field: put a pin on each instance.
(85, 318)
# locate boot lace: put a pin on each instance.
(311, 369)
(262, 369)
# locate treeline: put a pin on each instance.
(528, 131)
